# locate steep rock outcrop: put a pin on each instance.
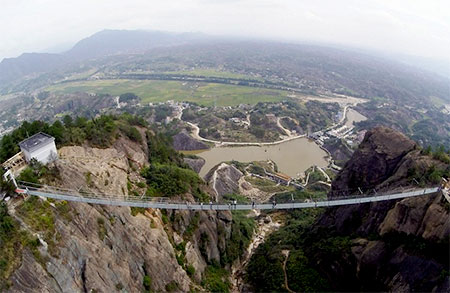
(184, 142)
(224, 179)
(376, 159)
(101, 247)
(399, 245)
(195, 164)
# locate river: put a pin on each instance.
(292, 157)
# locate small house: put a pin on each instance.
(40, 146)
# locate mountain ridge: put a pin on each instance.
(101, 44)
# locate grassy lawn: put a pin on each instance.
(161, 91)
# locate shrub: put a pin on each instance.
(190, 270)
(141, 184)
(216, 279)
(147, 282)
(101, 228)
(137, 210)
(172, 287)
(169, 180)
(126, 97)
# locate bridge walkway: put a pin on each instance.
(166, 203)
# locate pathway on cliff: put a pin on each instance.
(286, 252)
(287, 131)
(214, 179)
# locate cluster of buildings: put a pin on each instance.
(240, 122)
(340, 132)
(279, 178)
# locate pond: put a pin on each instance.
(292, 157)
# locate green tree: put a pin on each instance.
(58, 131)
(68, 121)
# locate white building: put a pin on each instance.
(40, 146)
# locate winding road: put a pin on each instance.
(196, 135)
(218, 143)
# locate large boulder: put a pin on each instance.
(184, 142)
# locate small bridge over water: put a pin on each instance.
(167, 203)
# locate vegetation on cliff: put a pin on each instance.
(13, 241)
(366, 247)
(265, 269)
(168, 174)
(98, 132)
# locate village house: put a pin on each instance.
(280, 178)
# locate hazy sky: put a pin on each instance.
(419, 28)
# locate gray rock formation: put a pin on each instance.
(195, 164)
(184, 142)
(396, 245)
(103, 248)
(224, 179)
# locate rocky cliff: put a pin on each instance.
(399, 245)
(224, 179)
(87, 248)
(184, 142)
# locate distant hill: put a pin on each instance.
(312, 69)
(101, 44)
(28, 63)
(112, 42)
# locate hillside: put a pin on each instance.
(58, 246)
(29, 63)
(388, 246)
(161, 66)
(112, 42)
(306, 67)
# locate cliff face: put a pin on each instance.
(91, 247)
(395, 245)
(224, 179)
(101, 248)
(377, 158)
(184, 142)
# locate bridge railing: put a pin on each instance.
(94, 195)
(87, 194)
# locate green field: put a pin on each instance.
(214, 73)
(161, 91)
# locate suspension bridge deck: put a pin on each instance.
(165, 203)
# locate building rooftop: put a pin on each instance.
(35, 141)
(283, 176)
